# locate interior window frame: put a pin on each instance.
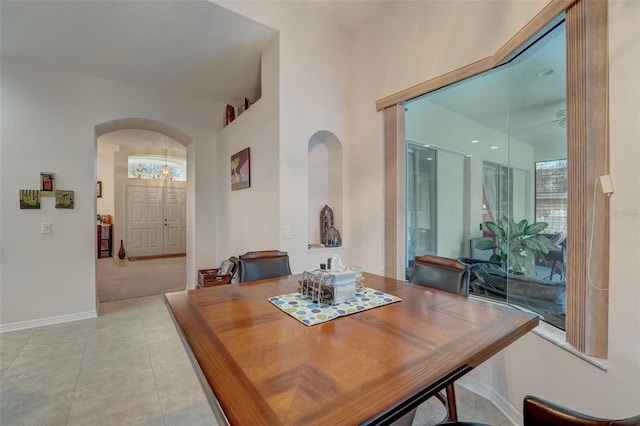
(587, 154)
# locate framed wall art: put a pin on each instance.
(240, 170)
(47, 184)
(64, 199)
(29, 199)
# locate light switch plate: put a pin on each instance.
(45, 228)
(287, 232)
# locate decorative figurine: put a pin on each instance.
(326, 222)
(329, 235)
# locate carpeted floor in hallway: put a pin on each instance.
(117, 280)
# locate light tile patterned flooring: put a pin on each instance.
(127, 367)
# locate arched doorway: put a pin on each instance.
(152, 240)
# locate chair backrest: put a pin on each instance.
(537, 411)
(441, 273)
(259, 265)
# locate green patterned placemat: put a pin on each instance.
(310, 313)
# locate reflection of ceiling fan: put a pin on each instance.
(561, 119)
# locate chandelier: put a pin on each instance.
(166, 172)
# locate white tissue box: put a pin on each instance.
(344, 286)
(337, 287)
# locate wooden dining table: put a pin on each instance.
(260, 366)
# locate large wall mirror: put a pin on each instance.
(521, 135)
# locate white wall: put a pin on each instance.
(104, 172)
(450, 204)
(312, 95)
(327, 81)
(247, 219)
(437, 37)
(48, 121)
(409, 42)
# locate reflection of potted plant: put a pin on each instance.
(518, 244)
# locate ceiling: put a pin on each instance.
(197, 48)
(192, 48)
(187, 47)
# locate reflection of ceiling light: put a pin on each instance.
(495, 147)
(545, 72)
(475, 141)
(429, 158)
(468, 155)
(427, 145)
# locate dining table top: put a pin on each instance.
(259, 365)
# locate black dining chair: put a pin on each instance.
(450, 275)
(540, 412)
(259, 265)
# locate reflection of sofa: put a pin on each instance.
(547, 298)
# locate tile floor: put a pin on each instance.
(127, 367)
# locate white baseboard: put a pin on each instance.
(20, 325)
(487, 392)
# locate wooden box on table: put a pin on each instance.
(210, 278)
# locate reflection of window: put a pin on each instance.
(551, 194)
(497, 189)
(151, 167)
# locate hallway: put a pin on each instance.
(117, 280)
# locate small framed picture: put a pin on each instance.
(240, 170)
(64, 199)
(29, 199)
(99, 189)
(47, 184)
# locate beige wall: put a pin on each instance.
(312, 95)
(48, 124)
(405, 43)
(437, 37)
(328, 79)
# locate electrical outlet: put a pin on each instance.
(45, 228)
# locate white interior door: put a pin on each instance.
(156, 221)
(175, 220)
(144, 221)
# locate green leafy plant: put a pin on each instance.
(518, 244)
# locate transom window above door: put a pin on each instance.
(150, 166)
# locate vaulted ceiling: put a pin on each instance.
(193, 48)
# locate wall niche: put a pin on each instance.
(325, 184)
